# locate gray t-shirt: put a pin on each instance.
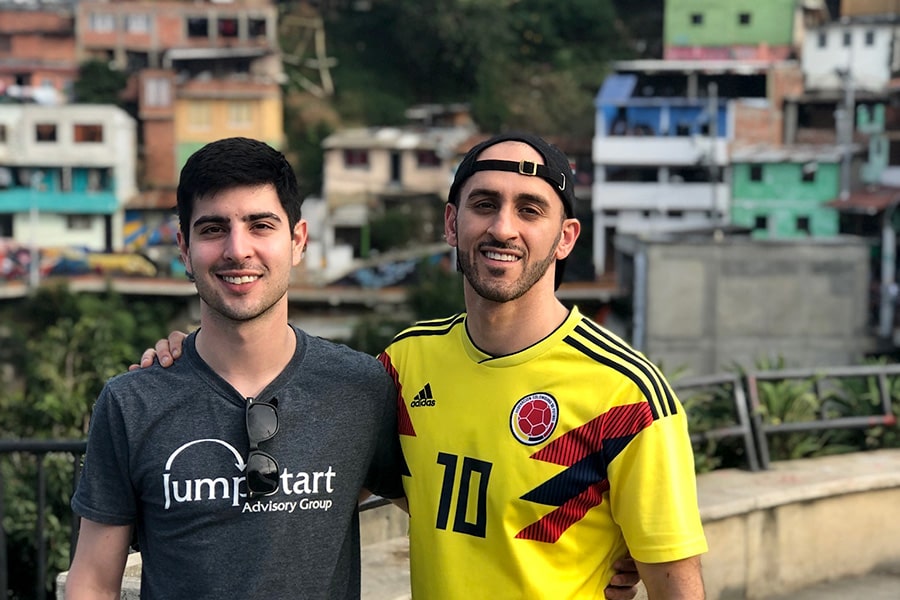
(166, 453)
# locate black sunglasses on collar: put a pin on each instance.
(262, 469)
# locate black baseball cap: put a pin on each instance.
(556, 171)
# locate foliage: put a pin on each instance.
(531, 64)
(98, 83)
(307, 123)
(708, 408)
(794, 400)
(69, 345)
(392, 229)
(438, 292)
(860, 396)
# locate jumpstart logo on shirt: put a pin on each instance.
(181, 488)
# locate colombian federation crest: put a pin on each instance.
(534, 418)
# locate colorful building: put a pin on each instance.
(782, 193)
(66, 173)
(737, 29)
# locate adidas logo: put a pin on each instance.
(423, 398)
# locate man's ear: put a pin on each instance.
(183, 250)
(450, 213)
(571, 229)
(299, 238)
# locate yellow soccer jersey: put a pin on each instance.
(529, 473)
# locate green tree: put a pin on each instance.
(544, 60)
(68, 345)
(97, 83)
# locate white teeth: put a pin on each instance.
(243, 279)
(498, 256)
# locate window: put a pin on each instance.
(88, 134)
(200, 115)
(822, 39)
(744, 18)
(157, 91)
(256, 27)
(696, 18)
(2, 133)
(240, 114)
(870, 38)
(848, 39)
(197, 27)
(809, 172)
(803, 225)
(45, 132)
(756, 173)
(5, 43)
(137, 23)
(228, 27)
(356, 158)
(102, 22)
(78, 222)
(761, 222)
(427, 158)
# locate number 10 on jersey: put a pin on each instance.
(470, 516)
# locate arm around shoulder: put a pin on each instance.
(99, 561)
(676, 580)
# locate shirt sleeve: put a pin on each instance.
(384, 475)
(105, 493)
(653, 493)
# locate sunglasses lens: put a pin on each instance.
(262, 422)
(262, 474)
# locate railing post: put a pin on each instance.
(41, 586)
(4, 562)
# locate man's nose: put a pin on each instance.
(238, 245)
(503, 224)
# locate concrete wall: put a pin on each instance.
(800, 523)
(702, 304)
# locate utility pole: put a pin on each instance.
(34, 263)
(844, 125)
(712, 90)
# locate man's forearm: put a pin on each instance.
(677, 580)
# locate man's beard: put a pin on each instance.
(495, 291)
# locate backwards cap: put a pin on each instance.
(556, 171)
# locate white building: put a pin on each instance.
(66, 173)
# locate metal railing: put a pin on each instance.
(742, 427)
(40, 449)
(821, 380)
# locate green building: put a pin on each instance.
(784, 193)
(728, 29)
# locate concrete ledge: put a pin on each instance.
(770, 533)
(800, 523)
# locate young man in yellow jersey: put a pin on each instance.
(540, 446)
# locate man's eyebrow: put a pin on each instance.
(260, 216)
(209, 219)
(522, 197)
(219, 220)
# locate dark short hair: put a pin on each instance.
(235, 162)
(556, 171)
